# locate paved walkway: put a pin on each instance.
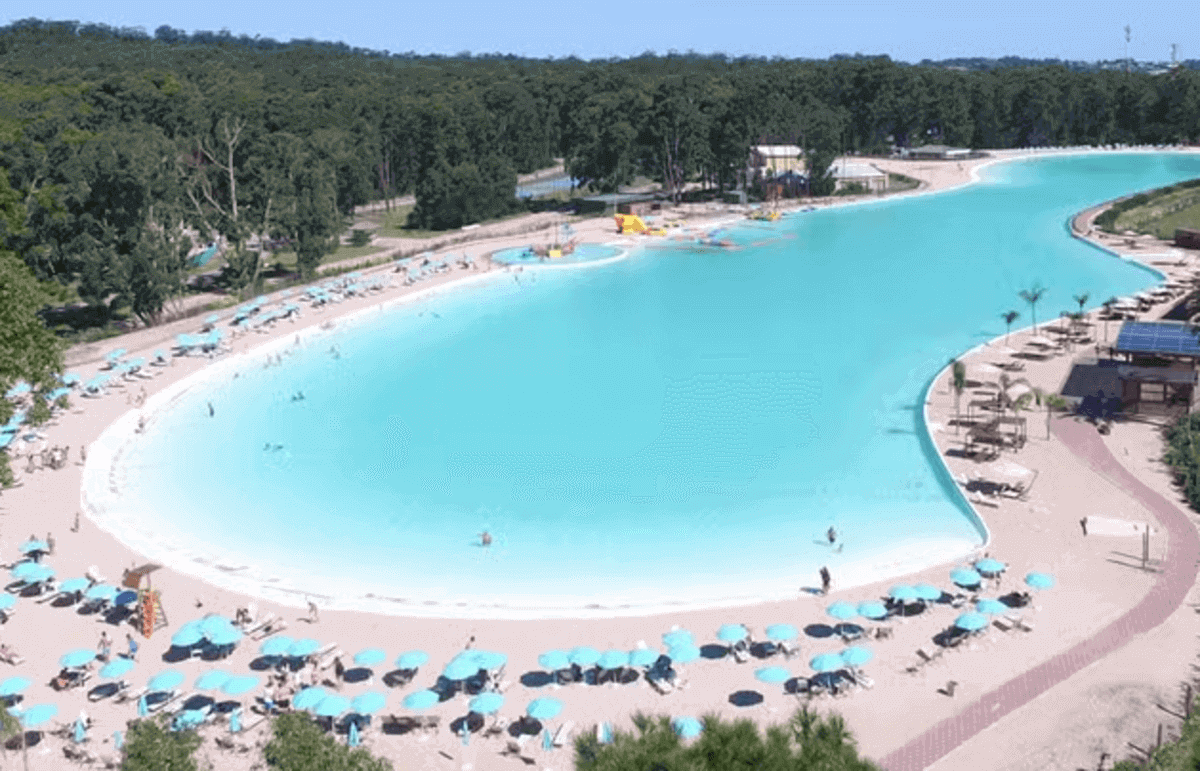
(1172, 587)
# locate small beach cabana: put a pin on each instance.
(1160, 370)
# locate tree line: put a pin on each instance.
(126, 152)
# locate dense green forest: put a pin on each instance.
(126, 151)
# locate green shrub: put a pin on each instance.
(806, 743)
(6, 474)
(299, 744)
(360, 237)
(39, 413)
(149, 746)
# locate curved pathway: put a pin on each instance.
(1167, 594)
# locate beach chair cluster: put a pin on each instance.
(191, 345)
(427, 268)
(351, 285)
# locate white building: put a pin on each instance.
(865, 174)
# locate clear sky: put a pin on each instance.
(906, 30)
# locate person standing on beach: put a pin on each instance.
(104, 647)
(133, 647)
(75, 527)
(826, 580)
(314, 615)
(49, 544)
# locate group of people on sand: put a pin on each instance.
(48, 458)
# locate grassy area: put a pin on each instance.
(392, 225)
(898, 183)
(1156, 213)
(288, 258)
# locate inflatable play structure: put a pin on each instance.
(631, 224)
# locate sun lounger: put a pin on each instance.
(517, 747)
(788, 649)
(927, 656)
(320, 652)
(1003, 624)
(563, 733)
(330, 657)
(252, 721)
(260, 624)
(172, 697)
(128, 695)
(739, 654)
(272, 627)
(864, 681)
(1019, 621)
(661, 684)
(883, 632)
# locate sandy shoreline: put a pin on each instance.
(1041, 533)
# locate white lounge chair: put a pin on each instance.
(563, 733)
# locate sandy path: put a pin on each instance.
(1096, 586)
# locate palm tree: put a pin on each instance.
(1081, 299)
(1108, 306)
(1051, 401)
(1009, 317)
(1031, 296)
(959, 382)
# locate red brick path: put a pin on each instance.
(1167, 594)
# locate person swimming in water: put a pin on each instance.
(485, 538)
(832, 535)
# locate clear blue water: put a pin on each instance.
(680, 426)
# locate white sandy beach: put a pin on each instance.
(1097, 710)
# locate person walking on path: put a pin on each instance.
(133, 647)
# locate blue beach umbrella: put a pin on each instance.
(489, 659)
(785, 632)
(34, 545)
(827, 662)
(77, 658)
(687, 727)
(772, 675)
(101, 592)
(732, 633)
(235, 721)
(903, 592)
(856, 656)
(682, 654)
(211, 680)
(643, 657)
(189, 718)
(36, 715)
(80, 734)
(614, 659)
(991, 606)
(990, 566)
(72, 585)
(420, 700)
(115, 354)
(965, 577)
(276, 646)
(212, 319)
(27, 571)
(678, 637)
(369, 657)
(367, 703)
(213, 624)
(1040, 580)
(927, 591)
(460, 669)
(554, 660)
(412, 659)
(143, 708)
(118, 740)
(305, 646)
(118, 667)
(7, 601)
(872, 610)
(486, 703)
(225, 637)
(971, 621)
(584, 656)
(14, 685)
(352, 737)
(236, 686)
(331, 706)
(842, 610)
(188, 635)
(165, 681)
(547, 740)
(309, 697)
(544, 709)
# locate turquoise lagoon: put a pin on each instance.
(674, 429)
